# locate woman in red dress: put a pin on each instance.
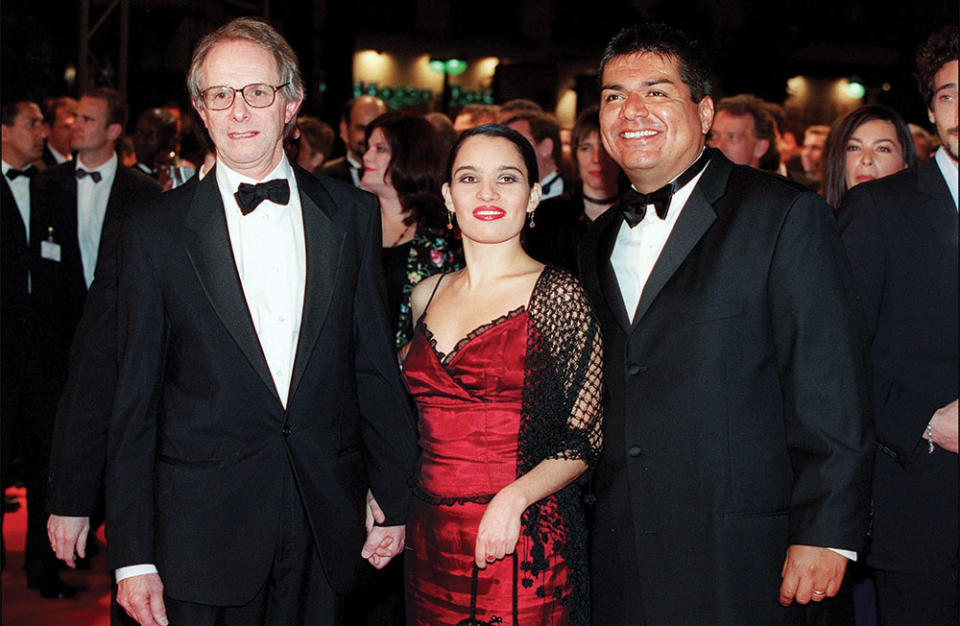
(505, 368)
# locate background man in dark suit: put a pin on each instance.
(80, 210)
(258, 395)
(23, 136)
(71, 213)
(901, 235)
(357, 114)
(60, 114)
(736, 440)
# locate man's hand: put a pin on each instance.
(142, 599)
(811, 573)
(944, 427)
(375, 514)
(383, 543)
(68, 537)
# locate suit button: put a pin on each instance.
(286, 430)
(634, 451)
(633, 369)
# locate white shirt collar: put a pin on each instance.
(107, 169)
(58, 156)
(949, 170)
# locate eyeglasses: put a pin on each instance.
(257, 95)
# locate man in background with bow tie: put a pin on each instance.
(258, 397)
(737, 445)
(72, 205)
(23, 135)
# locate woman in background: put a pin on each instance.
(403, 166)
(505, 368)
(868, 143)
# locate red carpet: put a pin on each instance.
(21, 605)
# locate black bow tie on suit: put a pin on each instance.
(28, 171)
(634, 203)
(250, 196)
(94, 176)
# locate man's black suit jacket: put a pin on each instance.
(15, 321)
(199, 441)
(900, 233)
(737, 421)
(338, 169)
(79, 329)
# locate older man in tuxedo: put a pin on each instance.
(258, 397)
(736, 443)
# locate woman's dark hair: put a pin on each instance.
(588, 122)
(835, 150)
(416, 164)
(503, 132)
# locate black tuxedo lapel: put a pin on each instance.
(211, 254)
(930, 181)
(694, 221)
(606, 239)
(324, 243)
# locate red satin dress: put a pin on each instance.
(469, 418)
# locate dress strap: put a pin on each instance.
(433, 293)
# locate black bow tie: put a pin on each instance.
(634, 203)
(28, 171)
(250, 196)
(94, 176)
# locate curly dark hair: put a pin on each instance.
(417, 163)
(942, 47)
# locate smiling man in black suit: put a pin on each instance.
(737, 445)
(258, 396)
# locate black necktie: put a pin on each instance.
(94, 176)
(635, 204)
(28, 171)
(250, 196)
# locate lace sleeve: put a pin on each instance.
(563, 382)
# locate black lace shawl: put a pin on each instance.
(560, 418)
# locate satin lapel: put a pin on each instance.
(607, 238)
(211, 254)
(930, 181)
(696, 218)
(324, 246)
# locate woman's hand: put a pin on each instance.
(499, 527)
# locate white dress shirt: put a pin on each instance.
(637, 249)
(949, 170)
(269, 251)
(270, 254)
(92, 201)
(552, 185)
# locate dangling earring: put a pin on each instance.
(531, 219)
(450, 220)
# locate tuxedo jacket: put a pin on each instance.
(199, 442)
(338, 169)
(79, 330)
(901, 235)
(15, 320)
(14, 260)
(737, 421)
